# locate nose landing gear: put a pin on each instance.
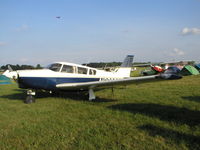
(30, 97)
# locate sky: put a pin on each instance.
(82, 31)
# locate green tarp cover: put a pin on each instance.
(4, 80)
(189, 70)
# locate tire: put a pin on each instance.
(29, 99)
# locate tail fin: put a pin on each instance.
(128, 61)
(125, 69)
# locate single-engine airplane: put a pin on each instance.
(64, 76)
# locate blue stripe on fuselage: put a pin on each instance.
(47, 83)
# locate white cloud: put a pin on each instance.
(188, 31)
(23, 27)
(177, 52)
(2, 43)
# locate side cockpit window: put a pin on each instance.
(67, 69)
(55, 67)
(82, 70)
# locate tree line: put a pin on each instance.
(92, 64)
(102, 64)
(21, 67)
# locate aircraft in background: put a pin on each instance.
(163, 68)
(64, 76)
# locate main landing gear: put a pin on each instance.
(91, 95)
(31, 93)
(30, 97)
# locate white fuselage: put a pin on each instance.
(63, 72)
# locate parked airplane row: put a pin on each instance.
(64, 76)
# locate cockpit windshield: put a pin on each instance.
(55, 67)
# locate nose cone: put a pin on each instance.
(36, 79)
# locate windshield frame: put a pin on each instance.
(55, 67)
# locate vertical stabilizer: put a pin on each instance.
(128, 61)
(125, 68)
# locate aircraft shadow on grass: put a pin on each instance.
(166, 113)
(193, 142)
(79, 96)
(192, 98)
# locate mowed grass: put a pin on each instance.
(154, 115)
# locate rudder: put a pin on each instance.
(128, 61)
(125, 68)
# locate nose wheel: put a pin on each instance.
(30, 97)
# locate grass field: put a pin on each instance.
(156, 115)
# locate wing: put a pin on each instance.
(89, 85)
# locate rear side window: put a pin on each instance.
(82, 70)
(92, 72)
(67, 69)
